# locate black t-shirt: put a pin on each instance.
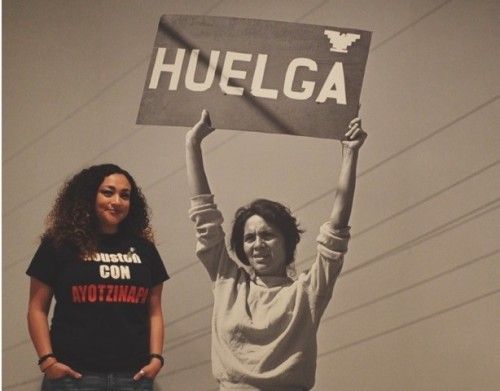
(100, 320)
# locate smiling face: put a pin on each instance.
(264, 247)
(112, 202)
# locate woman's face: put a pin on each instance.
(112, 202)
(264, 247)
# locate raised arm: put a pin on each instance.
(210, 246)
(344, 196)
(197, 178)
(334, 234)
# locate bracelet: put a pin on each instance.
(45, 357)
(158, 356)
(48, 366)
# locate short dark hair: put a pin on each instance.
(275, 214)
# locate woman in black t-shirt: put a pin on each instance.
(98, 260)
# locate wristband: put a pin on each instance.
(158, 356)
(45, 357)
(48, 366)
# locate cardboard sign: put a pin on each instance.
(255, 75)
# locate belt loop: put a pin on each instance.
(110, 386)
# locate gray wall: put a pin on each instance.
(417, 307)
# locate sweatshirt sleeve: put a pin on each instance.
(320, 279)
(210, 245)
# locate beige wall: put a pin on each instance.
(417, 307)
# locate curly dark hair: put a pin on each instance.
(73, 218)
(275, 214)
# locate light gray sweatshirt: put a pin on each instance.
(264, 329)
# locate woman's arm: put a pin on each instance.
(38, 325)
(38, 310)
(210, 246)
(334, 235)
(155, 333)
(197, 178)
(342, 204)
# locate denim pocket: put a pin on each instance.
(64, 383)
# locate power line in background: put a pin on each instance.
(408, 324)
(411, 286)
(426, 199)
(431, 234)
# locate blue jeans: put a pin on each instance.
(98, 382)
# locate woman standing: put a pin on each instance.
(264, 323)
(98, 260)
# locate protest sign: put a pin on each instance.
(255, 75)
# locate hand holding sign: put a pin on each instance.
(201, 129)
(355, 136)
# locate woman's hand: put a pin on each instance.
(150, 371)
(355, 136)
(201, 130)
(58, 370)
(197, 178)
